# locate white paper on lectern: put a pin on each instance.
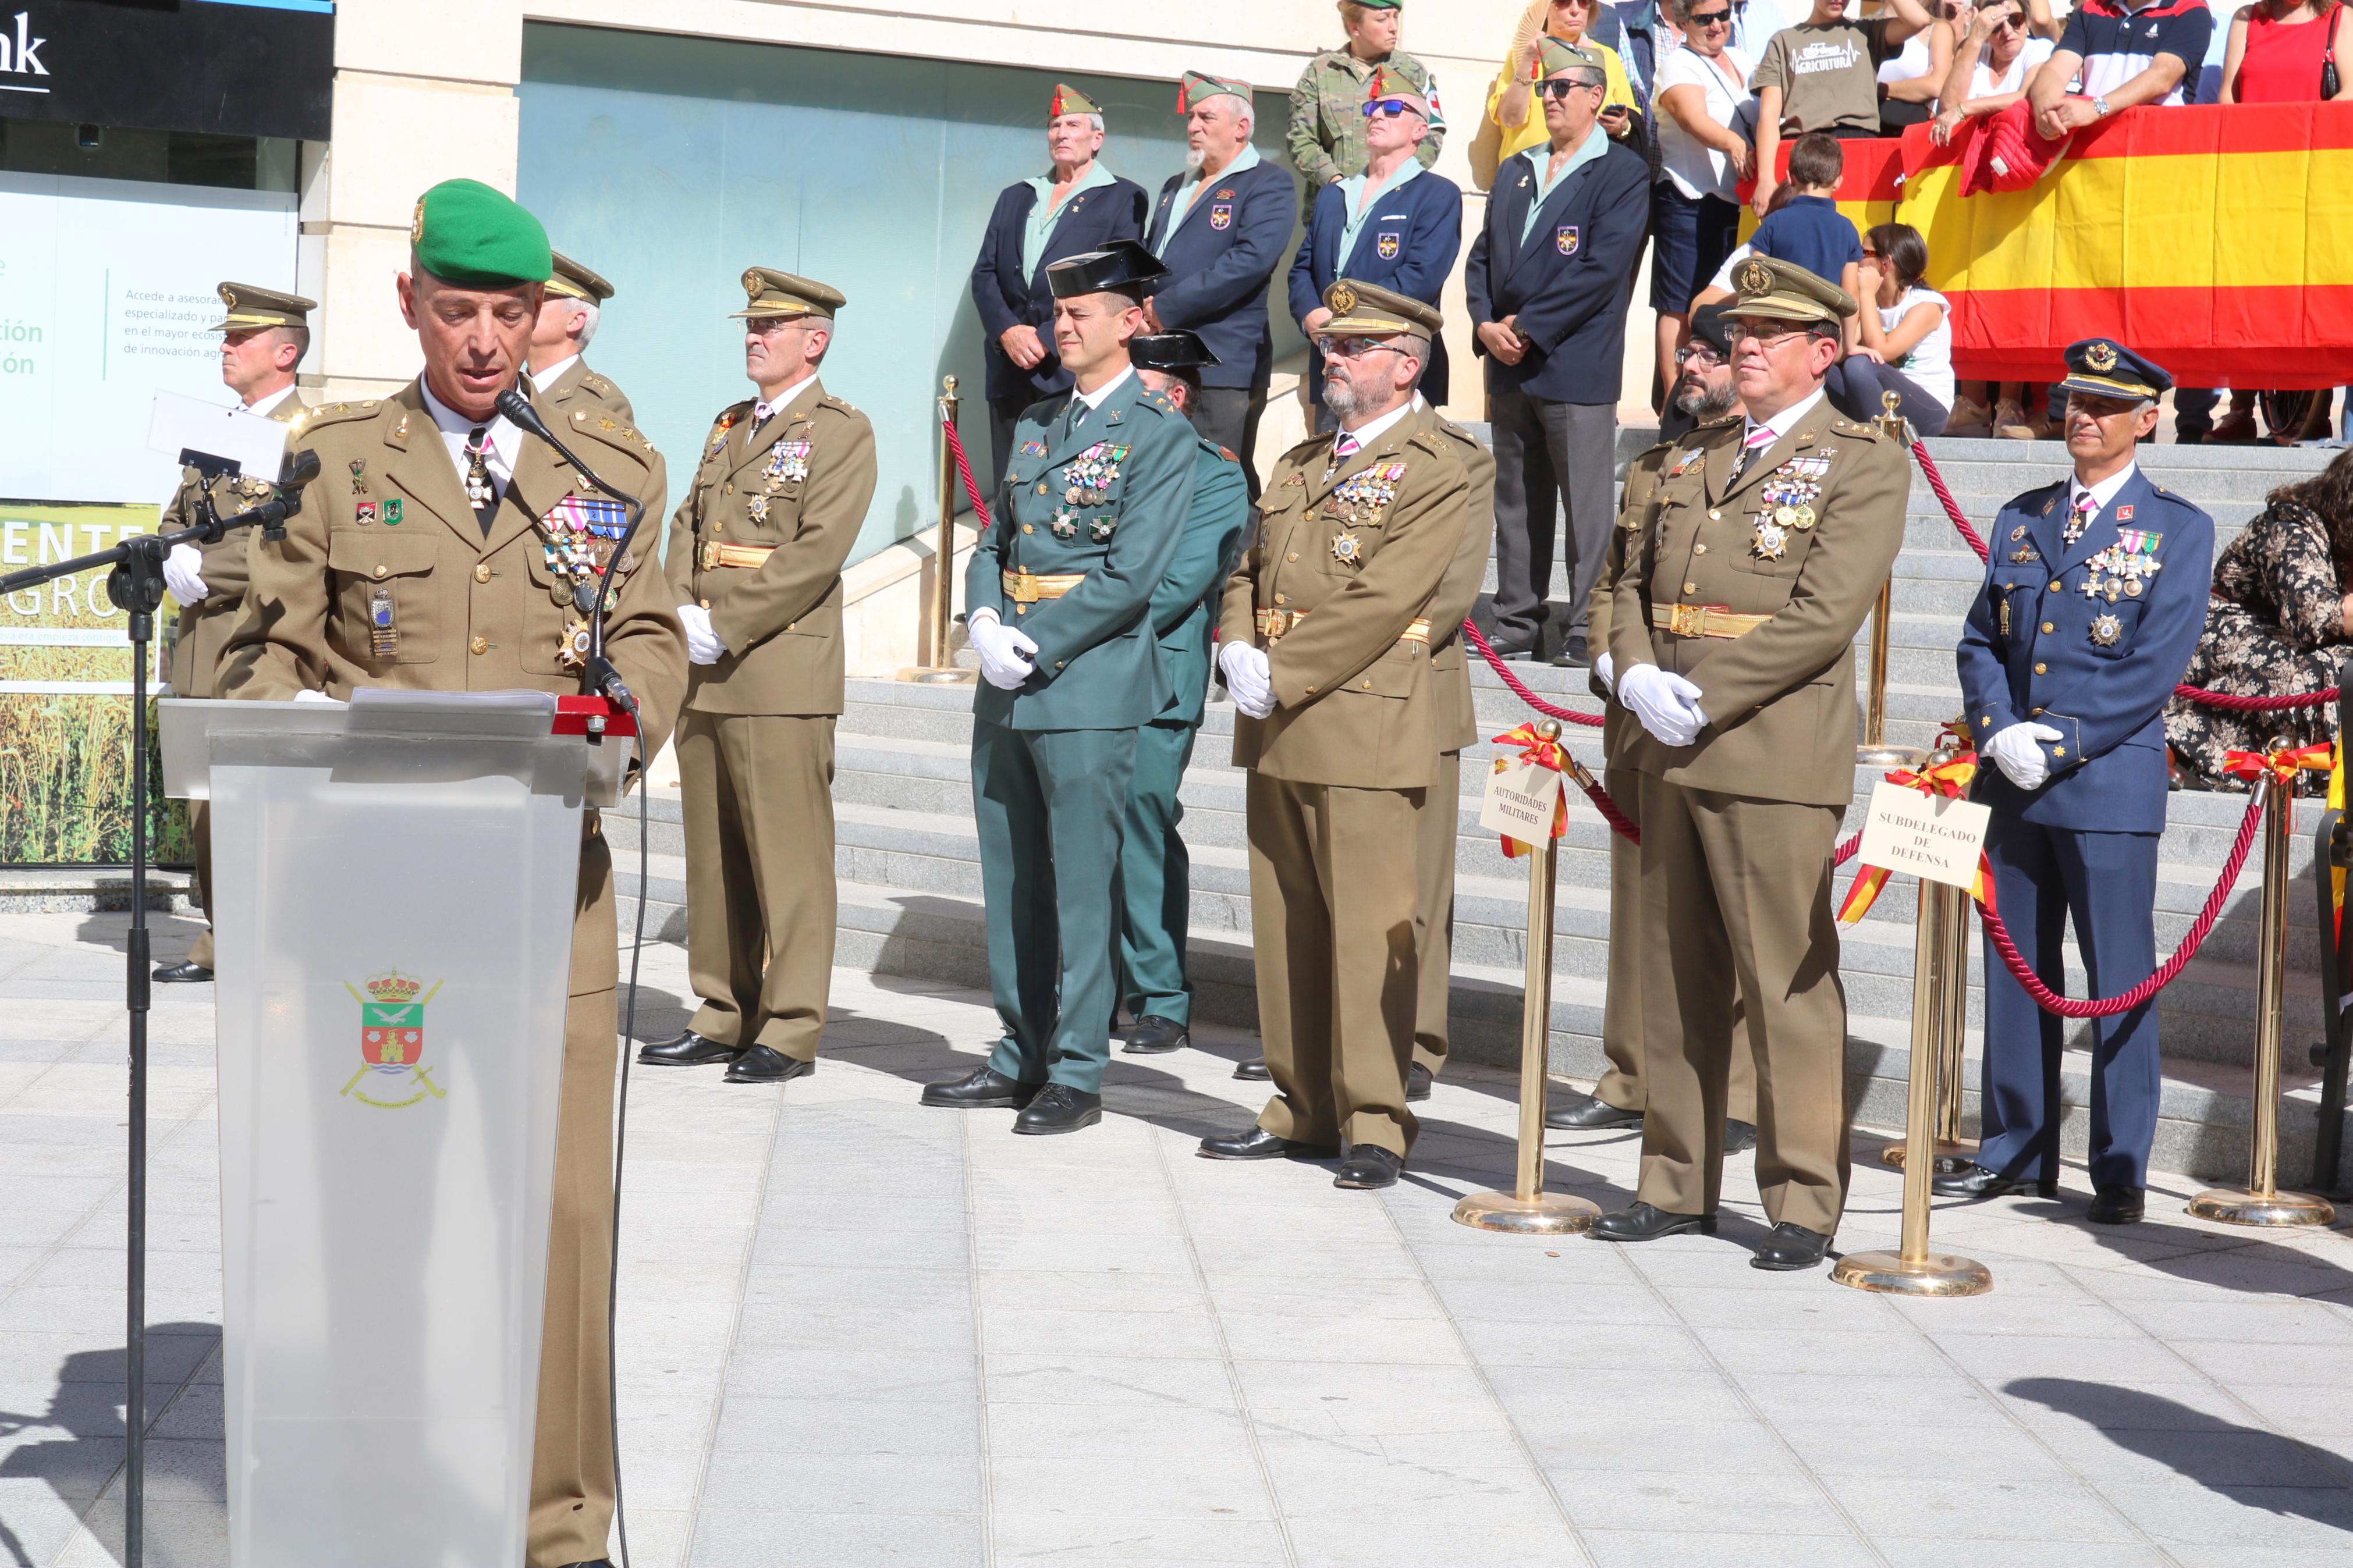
(256, 443)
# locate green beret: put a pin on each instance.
(1382, 4)
(467, 233)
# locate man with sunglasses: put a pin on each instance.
(1336, 632)
(2093, 601)
(1731, 635)
(1327, 124)
(1548, 286)
(1393, 225)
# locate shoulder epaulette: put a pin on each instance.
(595, 383)
(1224, 452)
(325, 414)
(1846, 427)
(1719, 421)
(830, 400)
(1428, 440)
(1308, 444)
(613, 433)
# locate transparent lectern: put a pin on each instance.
(394, 889)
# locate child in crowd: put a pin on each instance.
(1810, 232)
(1907, 331)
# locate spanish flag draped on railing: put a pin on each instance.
(2216, 239)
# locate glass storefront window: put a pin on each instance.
(124, 152)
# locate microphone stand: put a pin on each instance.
(135, 585)
(597, 676)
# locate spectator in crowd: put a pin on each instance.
(1549, 285)
(1076, 206)
(1511, 100)
(1810, 231)
(1755, 22)
(1649, 36)
(2283, 54)
(1695, 209)
(1909, 84)
(1907, 332)
(1823, 75)
(1392, 224)
(1220, 228)
(1327, 119)
(2279, 622)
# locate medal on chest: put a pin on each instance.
(1364, 496)
(1087, 478)
(787, 463)
(2124, 569)
(578, 539)
(1787, 496)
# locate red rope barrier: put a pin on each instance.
(964, 467)
(2051, 1001)
(1519, 688)
(2200, 695)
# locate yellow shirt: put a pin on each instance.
(1531, 131)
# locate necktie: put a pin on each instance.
(1344, 446)
(481, 491)
(2079, 519)
(760, 412)
(1759, 436)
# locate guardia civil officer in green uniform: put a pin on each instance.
(440, 550)
(568, 318)
(263, 337)
(1059, 592)
(1156, 872)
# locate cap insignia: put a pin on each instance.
(1755, 279)
(2101, 357)
(416, 221)
(1342, 298)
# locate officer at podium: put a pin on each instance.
(2094, 595)
(439, 549)
(264, 336)
(1091, 512)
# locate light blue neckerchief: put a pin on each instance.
(1040, 226)
(1190, 192)
(1360, 211)
(1596, 143)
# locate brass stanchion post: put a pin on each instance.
(2261, 1203)
(1952, 1152)
(1875, 751)
(939, 612)
(1528, 1209)
(1912, 1269)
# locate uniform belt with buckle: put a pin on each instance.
(715, 554)
(1704, 621)
(1273, 624)
(1028, 588)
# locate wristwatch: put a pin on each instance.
(2100, 107)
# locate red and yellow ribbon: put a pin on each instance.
(2280, 765)
(1541, 751)
(1948, 779)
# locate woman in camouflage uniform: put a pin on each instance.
(1327, 107)
(2280, 623)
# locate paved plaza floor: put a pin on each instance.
(856, 1331)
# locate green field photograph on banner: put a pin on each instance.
(65, 696)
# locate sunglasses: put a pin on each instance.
(1561, 87)
(1711, 19)
(1388, 108)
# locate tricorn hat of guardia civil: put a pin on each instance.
(1123, 267)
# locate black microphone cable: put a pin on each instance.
(620, 1141)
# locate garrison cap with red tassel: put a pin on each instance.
(1069, 99)
(1198, 85)
(1387, 81)
(1554, 57)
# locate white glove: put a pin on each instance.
(702, 644)
(1008, 657)
(184, 574)
(1666, 703)
(313, 697)
(1602, 669)
(2016, 753)
(1249, 678)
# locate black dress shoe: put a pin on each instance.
(1418, 1080)
(1152, 1035)
(2116, 1205)
(1977, 1181)
(1512, 647)
(1788, 1247)
(1573, 656)
(1254, 1070)
(1059, 1108)
(983, 1088)
(763, 1065)
(1739, 1136)
(1645, 1223)
(1588, 1114)
(689, 1050)
(600, 1563)
(1368, 1167)
(181, 973)
(1258, 1143)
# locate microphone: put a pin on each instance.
(597, 676)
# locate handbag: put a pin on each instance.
(2329, 83)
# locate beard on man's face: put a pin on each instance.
(1695, 398)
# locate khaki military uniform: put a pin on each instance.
(1738, 827)
(759, 540)
(580, 389)
(1622, 1009)
(201, 631)
(475, 613)
(1339, 590)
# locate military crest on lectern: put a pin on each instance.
(392, 1038)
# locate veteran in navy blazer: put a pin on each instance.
(1076, 206)
(1547, 284)
(2094, 599)
(1222, 228)
(1396, 224)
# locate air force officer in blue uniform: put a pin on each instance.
(1396, 224)
(1222, 228)
(1077, 205)
(2094, 596)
